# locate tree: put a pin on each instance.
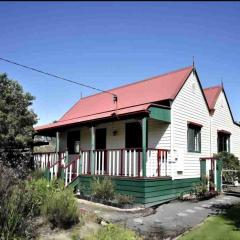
(16, 122)
(231, 165)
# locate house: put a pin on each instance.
(155, 137)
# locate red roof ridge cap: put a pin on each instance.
(217, 86)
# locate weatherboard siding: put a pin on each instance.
(158, 135)
(189, 105)
(148, 192)
(222, 120)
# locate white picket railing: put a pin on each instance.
(118, 162)
(111, 162)
(46, 159)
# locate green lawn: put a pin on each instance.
(222, 227)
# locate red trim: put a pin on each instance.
(158, 162)
(224, 131)
(121, 173)
(139, 163)
(195, 124)
(89, 162)
(208, 158)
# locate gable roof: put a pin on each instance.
(212, 94)
(132, 97)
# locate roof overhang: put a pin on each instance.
(154, 111)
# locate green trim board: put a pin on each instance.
(144, 144)
(203, 168)
(147, 192)
(161, 114)
(219, 175)
(93, 142)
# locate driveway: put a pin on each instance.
(168, 220)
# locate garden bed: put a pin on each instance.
(112, 203)
(200, 197)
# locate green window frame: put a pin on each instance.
(194, 138)
(223, 141)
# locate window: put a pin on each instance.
(194, 138)
(223, 141)
(133, 135)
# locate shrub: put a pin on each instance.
(112, 231)
(124, 199)
(40, 190)
(201, 189)
(61, 209)
(230, 162)
(37, 174)
(102, 189)
(16, 209)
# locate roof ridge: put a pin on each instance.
(137, 82)
(126, 85)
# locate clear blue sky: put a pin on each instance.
(110, 44)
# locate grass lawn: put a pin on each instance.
(222, 227)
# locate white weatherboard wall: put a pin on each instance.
(189, 105)
(158, 135)
(222, 120)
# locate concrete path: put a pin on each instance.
(168, 220)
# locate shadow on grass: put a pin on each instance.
(229, 212)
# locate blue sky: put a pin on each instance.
(110, 44)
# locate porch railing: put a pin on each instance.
(47, 159)
(112, 162)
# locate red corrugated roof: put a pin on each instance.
(131, 97)
(212, 94)
(100, 115)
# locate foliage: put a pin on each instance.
(124, 199)
(102, 188)
(230, 162)
(40, 190)
(37, 174)
(112, 231)
(61, 208)
(16, 123)
(16, 208)
(201, 189)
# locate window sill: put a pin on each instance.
(194, 151)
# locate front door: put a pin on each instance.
(101, 138)
(133, 135)
(101, 145)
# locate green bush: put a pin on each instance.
(40, 189)
(16, 212)
(112, 231)
(230, 162)
(201, 189)
(124, 199)
(61, 209)
(102, 188)
(37, 174)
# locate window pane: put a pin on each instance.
(194, 138)
(223, 142)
